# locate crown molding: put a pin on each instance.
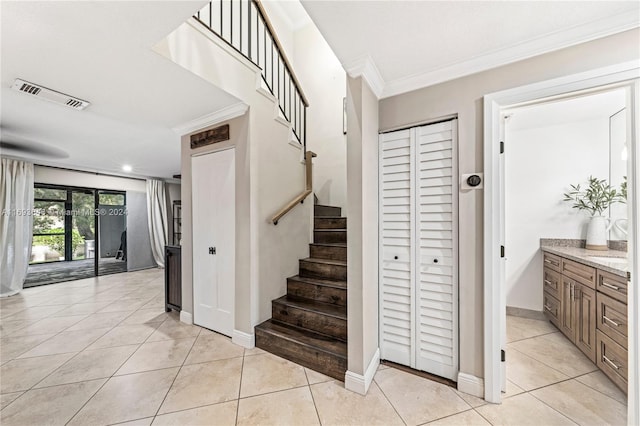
(544, 44)
(365, 67)
(224, 114)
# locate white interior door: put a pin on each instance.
(213, 201)
(396, 286)
(418, 250)
(436, 251)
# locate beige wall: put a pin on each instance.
(268, 175)
(238, 132)
(324, 83)
(55, 176)
(362, 235)
(464, 97)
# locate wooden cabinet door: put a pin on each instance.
(585, 320)
(567, 311)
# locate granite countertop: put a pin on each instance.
(586, 257)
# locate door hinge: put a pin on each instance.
(501, 251)
(501, 147)
(503, 355)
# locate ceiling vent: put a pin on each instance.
(48, 94)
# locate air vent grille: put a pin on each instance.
(48, 94)
(29, 88)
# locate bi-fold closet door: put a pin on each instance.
(418, 286)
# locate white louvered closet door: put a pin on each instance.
(427, 300)
(396, 176)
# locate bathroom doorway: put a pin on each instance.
(624, 75)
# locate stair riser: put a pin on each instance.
(327, 211)
(328, 252)
(322, 271)
(320, 293)
(325, 363)
(330, 223)
(314, 321)
(330, 237)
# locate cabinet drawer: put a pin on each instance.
(612, 360)
(582, 273)
(552, 261)
(612, 319)
(552, 309)
(612, 285)
(551, 282)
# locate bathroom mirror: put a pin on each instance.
(618, 171)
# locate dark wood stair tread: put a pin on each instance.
(325, 261)
(336, 311)
(306, 338)
(318, 281)
(330, 230)
(343, 245)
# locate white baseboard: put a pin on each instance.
(359, 383)
(244, 339)
(471, 384)
(186, 317)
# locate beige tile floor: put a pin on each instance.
(103, 351)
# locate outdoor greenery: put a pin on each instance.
(50, 207)
(56, 242)
(595, 198)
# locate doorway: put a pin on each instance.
(418, 277)
(624, 75)
(213, 215)
(68, 225)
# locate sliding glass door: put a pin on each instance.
(77, 233)
(112, 235)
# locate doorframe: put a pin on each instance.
(234, 332)
(413, 148)
(622, 75)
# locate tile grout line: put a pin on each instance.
(387, 398)
(312, 398)
(597, 390)
(445, 417)
(175, 377)
(76, 355)
(480, 414)
(532, 337)
(553, 408)
(106, 381)
(240, 386)
(553, 368)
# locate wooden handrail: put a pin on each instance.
(308, 188)
(287, 64)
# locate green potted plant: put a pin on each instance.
(595, 199)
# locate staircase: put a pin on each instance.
(309, 324)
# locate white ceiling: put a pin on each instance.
(414, 44)
(589, 107)
(99, 52)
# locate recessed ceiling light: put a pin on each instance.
(127, 168)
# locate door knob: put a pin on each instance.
(212, 250)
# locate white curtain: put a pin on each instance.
(16, 221)
(157, 219)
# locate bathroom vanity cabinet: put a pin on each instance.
(589, 305)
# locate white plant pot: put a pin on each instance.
(597, 231)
